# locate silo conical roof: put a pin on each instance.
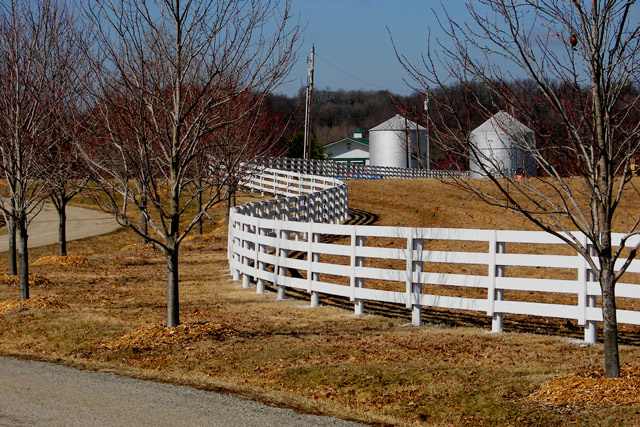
(397, 123)
(502, 122)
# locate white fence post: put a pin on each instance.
(582, 290)
(408, 289)
(260, 265)
(276, 265)
(325, 207)
(356, 261)
(303, 210)
(313, 207)
(230, 244)
(495, 270)
(235, 273)
(282, 289)
(246, 279)
(416, 313)
(278, 210)
(332, 206)
(313, 257)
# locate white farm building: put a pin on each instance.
(350, 149)
(501, 146)
(398, 142)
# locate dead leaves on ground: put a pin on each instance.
(64, 261)
(590, 389)
(205, 241)
(34, 280)
(209, 237)
(140, 247)
(151, 336)
(46, 303)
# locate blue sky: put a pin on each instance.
(353, 48)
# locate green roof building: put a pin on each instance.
(353, 149)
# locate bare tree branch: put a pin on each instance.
(580, 95)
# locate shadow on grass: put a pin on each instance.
(628, 334)
(356, 217)
(361, 217)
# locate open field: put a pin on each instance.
(99, 313)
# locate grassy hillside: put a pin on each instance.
(431, 203)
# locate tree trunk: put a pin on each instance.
(173, 298)
(610, 325)
(231, 201)
(143, 220)
(13, 262)
(199, 226)
(23, 259)
(62, 229)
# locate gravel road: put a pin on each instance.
(44, 394)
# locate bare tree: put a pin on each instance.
(29, 32)
(235, 146)
(165, 71)
(65, 176)
(582, 62)
(246, 138)
(12, 238)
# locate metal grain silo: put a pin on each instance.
(501, 145)
(398, 142)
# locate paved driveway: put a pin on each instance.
(44, 394)
(81, 223)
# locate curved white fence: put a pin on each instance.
(345, 170)
(296, 242)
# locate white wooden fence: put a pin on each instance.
(346, 170)
(491, 272)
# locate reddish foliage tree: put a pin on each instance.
(166, 75)
(31, 33)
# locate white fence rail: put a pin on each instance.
(344, 170)
(491, 271)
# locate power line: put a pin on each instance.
(357, 78)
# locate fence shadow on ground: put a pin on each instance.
(628, 334)
(356, 217)
(361, 217)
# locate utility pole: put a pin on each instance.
(307, 108)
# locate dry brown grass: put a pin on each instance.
(430, 203)
(63, 261)
(139, 247)
(324, 360)
(34, 280)
(41, 302)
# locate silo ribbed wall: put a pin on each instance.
(387, 148)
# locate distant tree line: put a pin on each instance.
(336, 114)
